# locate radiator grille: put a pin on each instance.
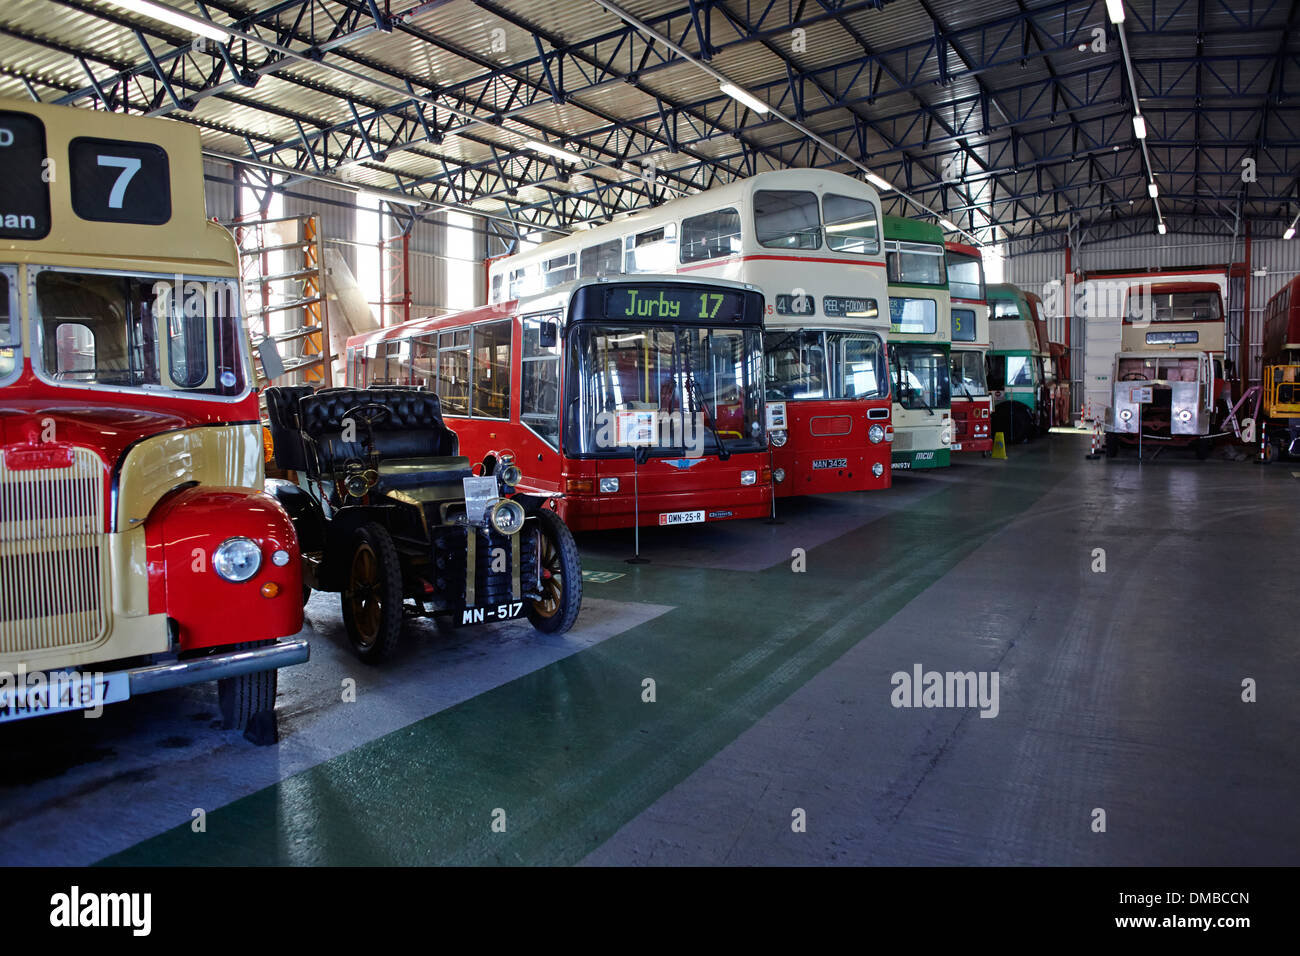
(54, 574)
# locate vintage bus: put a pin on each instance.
(131, 482)
(628, 399)
(1168, 383)
(972, 406)
(1281, 370)
(1053, 388)
(1016, 376)
(920, 330)
(810, 240)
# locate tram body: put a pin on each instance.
(131, 455)
(628, 399)
(920, 335)
(972, 406)
(811, 241)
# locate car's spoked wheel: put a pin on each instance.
(561, 570)
(372, 603)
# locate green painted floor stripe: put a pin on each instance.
(570, 752)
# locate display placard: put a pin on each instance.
(963, 325)
(24, 187)
(119, 181)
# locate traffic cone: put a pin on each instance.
(1000, 445)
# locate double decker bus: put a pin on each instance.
(1015, 366)
(1168, 375)
(810, 240)
(629, 399)
(1281, 370)
(131, 455)
(919, 342)
(972, 406)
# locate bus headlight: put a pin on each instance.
(608, 486)
(237, 559)
(506, 516)
(749, 477)
(779, 475)
(777, 437)
(510, 475)
(945, 436)
(877, 469)
(876, 434)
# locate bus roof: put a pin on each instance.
(142, 210)
(963, 248)
(912, 230)
(1005, 290)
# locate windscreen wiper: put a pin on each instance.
(698, 395)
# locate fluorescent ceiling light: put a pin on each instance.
(1290, 233)
(947, 225)
(850, 226)
(741, 96)
(540, 147)
(383, 195)
(176, 18)
(1160, 228)
(1139, 126)
(1153, 190)
(1116, 10)
(879, 183)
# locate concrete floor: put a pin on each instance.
(1118, 690)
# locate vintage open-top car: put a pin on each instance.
(390, 515)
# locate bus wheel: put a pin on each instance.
(1203, 447)
(372, 603)
(1112, 444)
(557, 554)
(249, 698)
(1021, 424)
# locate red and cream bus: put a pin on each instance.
(628, 399)
(810, 239)
(131, 456)
(972, 406)
(1168, 384)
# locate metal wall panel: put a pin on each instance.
(336, 221)
(219, 197)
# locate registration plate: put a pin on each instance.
(821, 464)
(485, 615)
(32, 695)
(956, 446)
(681, 517)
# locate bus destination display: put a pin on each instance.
(24, 188)
(674, 304)
(119, 181)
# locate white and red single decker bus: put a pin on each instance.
(810, 239)
(629, 399)
(972, 406)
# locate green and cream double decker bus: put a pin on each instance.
(1016, 375)
(920, 336)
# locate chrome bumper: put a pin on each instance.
(196, 670)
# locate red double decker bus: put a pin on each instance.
(810, 239)
(972, 406)
(631, 400)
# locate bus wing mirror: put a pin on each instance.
(268, 353)
(548, 335)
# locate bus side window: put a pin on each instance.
(491, 391)
(603, 259)
(424, 361)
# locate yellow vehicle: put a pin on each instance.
(131, 464)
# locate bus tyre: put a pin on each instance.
(372, 602)
(1022, 425)
(1203, 447)
(557, 555)
(1112, 444)
(248, 701)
